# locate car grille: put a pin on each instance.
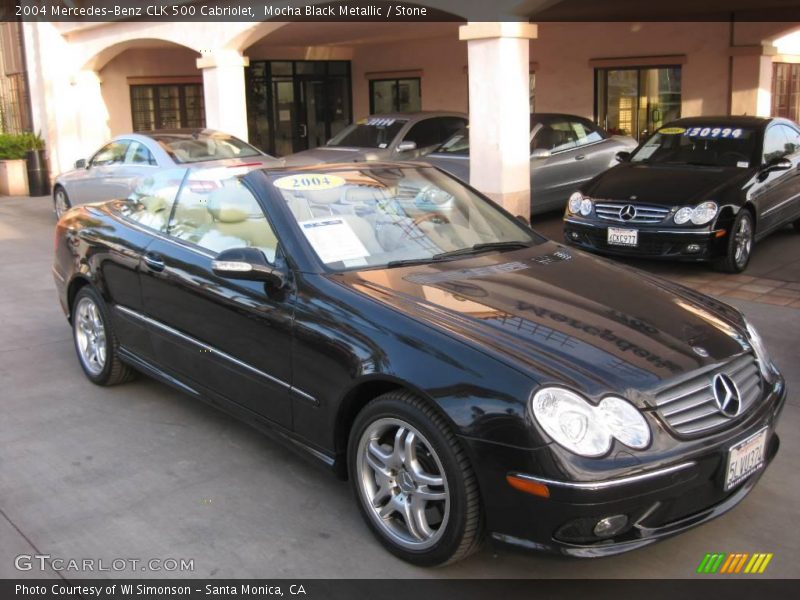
(612, 211)
(689, 407)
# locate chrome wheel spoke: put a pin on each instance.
(90, 336)
(427, 495)
(413, 520)
(417, 511)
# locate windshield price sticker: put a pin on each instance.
(309, 182)
(714, 132)
(383, 122)
(333, 239)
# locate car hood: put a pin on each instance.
(328, 154)
(668, 185)
(564, 316)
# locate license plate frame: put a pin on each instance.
(745, 458)
(620, 236)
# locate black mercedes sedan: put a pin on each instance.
(699, 189)
(469, 377)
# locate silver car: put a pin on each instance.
(114, 170)
(566, 151)
(397, 136)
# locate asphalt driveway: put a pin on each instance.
(143, 472)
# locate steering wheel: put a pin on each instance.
(436, 218)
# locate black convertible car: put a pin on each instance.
(468, 376)
(701, 188)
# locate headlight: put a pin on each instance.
(757, 342)
(574, 204)
(699, 215)
(586, 207)
(703, 213)
(588, 430)
(683, 215)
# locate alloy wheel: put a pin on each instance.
(743, 242)
(402, 483)
(90, 336)
(61, 202)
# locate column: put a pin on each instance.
(499, 121)
(751, 80)
(224, 91)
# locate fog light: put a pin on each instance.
(693, 248)
(574, 235)
(610, 526)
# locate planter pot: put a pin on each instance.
(13, 178)
(38, 173)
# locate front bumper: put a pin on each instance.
(659, 500)
(654, 241)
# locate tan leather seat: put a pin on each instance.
(237, 222)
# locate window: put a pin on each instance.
(532, 93)
(786, 90)
(557, 135)
(637, 101)
(780, 141)
(395, 95)
(110, 154)
(221, 214)
(151, 202)
(138, 154)
(167, 106)
(434, 131)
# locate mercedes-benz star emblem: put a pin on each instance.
(627, 212)
(726, 395)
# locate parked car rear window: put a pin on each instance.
(457, 144)
(374, 133)
(186, 148)
(708, 145)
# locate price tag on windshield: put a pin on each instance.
(716, 132)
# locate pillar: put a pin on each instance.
(224, 91)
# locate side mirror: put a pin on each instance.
(81, 163)
(406, 146)
(249, 264)
(541, 153)
(623, 156)
(777, 164)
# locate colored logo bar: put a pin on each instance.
(736, 562)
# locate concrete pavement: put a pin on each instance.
(141, 471)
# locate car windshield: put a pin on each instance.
(457, 144)
(711, 145)
(376, 132)
(186, 148)
(393, 216)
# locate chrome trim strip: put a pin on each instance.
(643, 229)
(777, 206)
(58, 275)
(216, 352)
(608, 483)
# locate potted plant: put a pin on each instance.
(36, 159)
(13, 173)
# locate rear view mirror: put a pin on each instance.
(249, 264)
(80, 163)
(623, 156)
(778, 164)
(541, 153)
(406, 146)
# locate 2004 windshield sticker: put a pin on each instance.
(309, 182)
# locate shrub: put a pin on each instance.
(15, 145)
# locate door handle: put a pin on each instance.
(580, 157)
(303, 130)
(154, 262)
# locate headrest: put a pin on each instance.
(328, 196)
(232, 205)
(359, 194)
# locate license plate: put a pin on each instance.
(623, 237)
(745, 458)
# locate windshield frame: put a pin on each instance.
(300, 252)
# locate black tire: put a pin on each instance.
(460, 529)
(111, 370)
(61, 202)
(740, 244)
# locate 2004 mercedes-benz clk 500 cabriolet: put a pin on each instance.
(468, 376)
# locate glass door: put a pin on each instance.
(637, 101)
(296, 105)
